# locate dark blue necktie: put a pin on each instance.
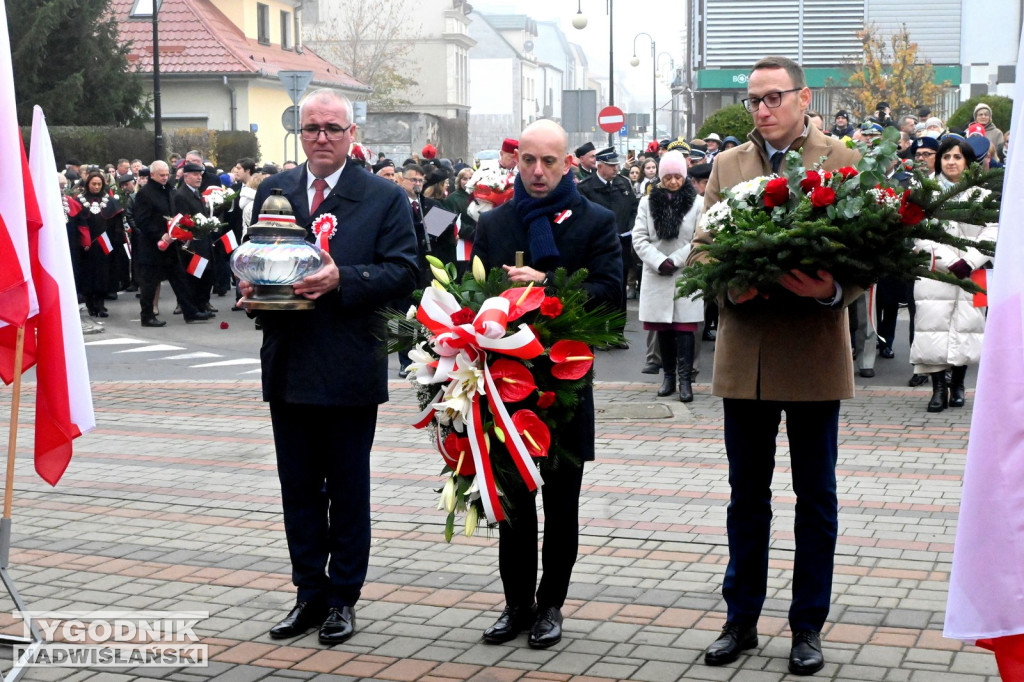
(777, 161)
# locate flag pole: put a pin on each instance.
(12, 446)
(36, 638)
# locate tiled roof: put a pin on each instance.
(196, 38)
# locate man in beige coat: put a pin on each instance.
(787, 350)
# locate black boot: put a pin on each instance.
(667, 346)
(956, 386)
(940, 392)
(685, 343)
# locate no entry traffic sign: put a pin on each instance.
(611, 119)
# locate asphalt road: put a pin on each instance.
(126, 350)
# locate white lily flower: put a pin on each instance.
(419, 367)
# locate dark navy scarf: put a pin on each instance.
(536, 214)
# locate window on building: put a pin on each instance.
(286, 30)
(263, 23)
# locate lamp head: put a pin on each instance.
(635, 61)
(579, 21)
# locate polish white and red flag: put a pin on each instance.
(64, 408)
(229, 241)
(197, 266)
(986, 585)
(104, 243)
(17, 297)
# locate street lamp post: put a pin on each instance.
(579, 22)
(672, 89)
(635, 61)
(158, 132)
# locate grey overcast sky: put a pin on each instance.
(662, 19)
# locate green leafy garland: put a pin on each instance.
(855, 223)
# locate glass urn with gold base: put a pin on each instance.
(276, 256)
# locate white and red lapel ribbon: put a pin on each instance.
(324, 228)
(486, 332)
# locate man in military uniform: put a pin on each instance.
(607, 188)
(586, 154)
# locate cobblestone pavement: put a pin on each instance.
(173, 504)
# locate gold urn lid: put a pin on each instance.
(276, 218)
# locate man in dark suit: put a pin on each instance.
(325, 369)
(607, 188)
(554, 226)
(153, 205)
(188, 201)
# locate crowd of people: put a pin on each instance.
(632, 224)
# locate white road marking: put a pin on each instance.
(160, 347)
(115, 342)
(192, 356)
(229, 363)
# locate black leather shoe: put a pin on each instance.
(512, 621)
(619, 345)
(918, 380)
(153, 322)
(730, 643)
(867, 372)
(177, 310)
(339, 625)
(211, 309)
(199, 317)
(886, 353)
(651, 368)
(305, 616)
(547, 629)
(805, 657)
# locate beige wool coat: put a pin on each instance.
(784, 348)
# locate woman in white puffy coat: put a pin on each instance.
(665, 223)
(948, 328)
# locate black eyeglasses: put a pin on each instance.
(772, 100)
(332, 131)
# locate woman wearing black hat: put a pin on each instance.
(102, 214)
(948, 328)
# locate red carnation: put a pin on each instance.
(848, 172)
(551, 307)
(910, 213)
(546, 400)
(464, 316)
(823, 196)
(776, 192)
(812, 181)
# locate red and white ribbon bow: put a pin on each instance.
(470, 341)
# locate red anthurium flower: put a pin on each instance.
(522, 300)
(809, 183)
(546, 400)
(823, 196)
(456, 448)
(848, 172)
(513, 380)
(551, 306)
(776, 192)
(464, 316)
(910, 213)
(572, 359)
(535, 432)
